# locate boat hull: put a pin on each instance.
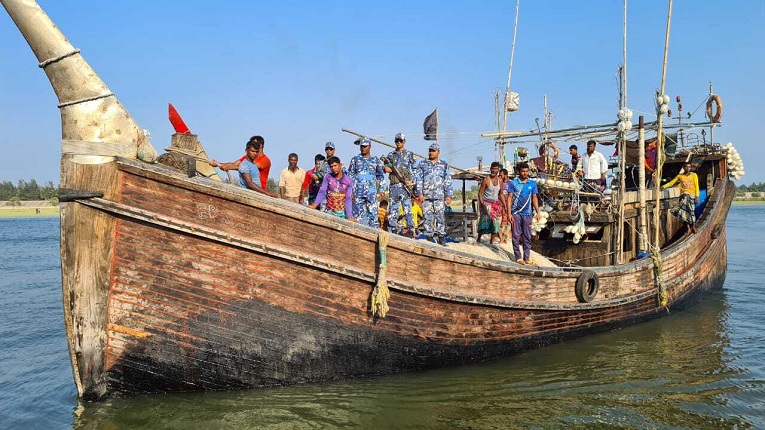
(211, 290)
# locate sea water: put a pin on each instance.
(703, 367)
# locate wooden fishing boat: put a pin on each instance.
(178, 283)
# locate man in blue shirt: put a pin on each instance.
(248, 170)
(521, 199)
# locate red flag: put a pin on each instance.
(177, 121)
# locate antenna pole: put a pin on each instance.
(501, 140)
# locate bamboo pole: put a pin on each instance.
(660, 135)
(501, 140)
(515, 134)
(619, 256)
(599, 128)
(394, 147)
(643, 239)
(711, 128)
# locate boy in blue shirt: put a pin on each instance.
(522, 203)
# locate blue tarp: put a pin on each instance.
(701, 204)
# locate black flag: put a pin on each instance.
(430, 126)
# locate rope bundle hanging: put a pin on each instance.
(657, 267)
(380, 293)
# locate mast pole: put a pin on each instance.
(622, 142)
(643, 239)
(660, 136)
(501, 141)
(711, 126)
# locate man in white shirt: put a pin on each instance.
(593, 166)
(291, 181)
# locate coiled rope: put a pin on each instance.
(380, 293)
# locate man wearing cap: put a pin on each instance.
(329, 149)
(434, 184)
(368, 174)
(400, 201)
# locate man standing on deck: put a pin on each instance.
(491, 203)
(521, 199)
(504, 231)
(262, 162)
(313, 179)
(575, 157)
(337, 189)
(368, 174)
(248, 171)
(434, 185)
(689, 195)
(593, 166)
(400, 202)
(291, 180)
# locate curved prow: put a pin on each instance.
(91, 116)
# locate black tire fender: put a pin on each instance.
(586, 286)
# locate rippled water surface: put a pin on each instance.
(703, 367)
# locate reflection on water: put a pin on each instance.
(670, 372)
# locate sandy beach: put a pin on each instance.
(25, 209)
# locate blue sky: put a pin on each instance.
(297, 72)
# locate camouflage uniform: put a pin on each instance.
(399, 198)
(368, 180)
(435, 184)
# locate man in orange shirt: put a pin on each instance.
(261, 161)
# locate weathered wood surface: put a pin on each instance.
(87, 240)
(188, 310)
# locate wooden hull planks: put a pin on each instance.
(212, 288)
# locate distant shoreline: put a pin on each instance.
(26, 212)
(48, 211)
(748, 202)
(27, 209)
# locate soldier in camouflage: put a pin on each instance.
(434, 183)
(368, 174)
(399, 200)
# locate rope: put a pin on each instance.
(87, 99)
(703, 102)
(50, 61)
(196, 155)
(569, 263)
(381, 294)
(657, 263)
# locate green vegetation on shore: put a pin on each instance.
(27, 190)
